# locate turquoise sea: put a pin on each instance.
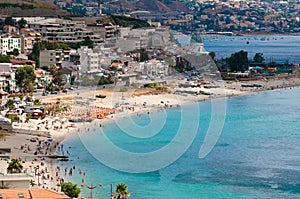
(256, 156)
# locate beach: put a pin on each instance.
(133, 101)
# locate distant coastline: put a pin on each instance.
(253, 34)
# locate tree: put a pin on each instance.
(212, 55)
(14, 166)
(58, 80)
(9, 21)
(15, 52)
(4, 59)
(122, 191)
(105, 80)
(70, 189)
(258, 58)
(227, 20)
(10, 104)
(88, 42)
(53, 69)
(37, 102)
(143, 55)
(22, 23)
(238, 61)
(25, 78)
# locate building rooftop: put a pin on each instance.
(31, 194)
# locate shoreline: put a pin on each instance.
(134, 106)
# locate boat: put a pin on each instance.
(205, 93)
(101, 96)
(247, 85)
(64, 159)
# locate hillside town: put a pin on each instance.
(203, 15)
(54, 76)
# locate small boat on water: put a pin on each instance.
(64, 159)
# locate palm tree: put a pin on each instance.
(122, 191)
(59, 80)
(14, 166)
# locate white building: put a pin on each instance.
(154, 68)
(196, 45)
(8, 43)
(89, 61)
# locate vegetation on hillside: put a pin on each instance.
(26, 4)
(128, 22)
(30, 8)
(87, 42)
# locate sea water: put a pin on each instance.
(256, 155)
(281, 49)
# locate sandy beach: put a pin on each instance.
(34, 149)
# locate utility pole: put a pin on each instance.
(91, 190)
(99, 8)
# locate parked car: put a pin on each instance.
(45, 93)
(54, 92)
(65, 91)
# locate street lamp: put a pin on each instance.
(91, 189)
(37, 168)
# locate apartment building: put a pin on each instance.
(130, 40)
(106, 30)
(8, 43)
(89, 60)
(53, 57)
(7, 77)
(28, 38)
(60, 30)
(154, 68)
